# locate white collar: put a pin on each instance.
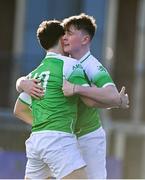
(85, 56)
(52, 54)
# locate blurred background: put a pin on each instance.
(119, 45)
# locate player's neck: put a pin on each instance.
(80, 53)
(56, 49)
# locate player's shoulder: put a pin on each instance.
(94, 60)
(91, 63)
(71, 62)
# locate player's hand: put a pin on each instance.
(32, 87)
(124, 100)
(68, 88)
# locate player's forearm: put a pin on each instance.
(103, 105)
(107, 97)
(30, 86)
(91, 103)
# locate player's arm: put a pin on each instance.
(23, 111)
(92, 103)
(105, 97)
(30, 86)
(68, 90)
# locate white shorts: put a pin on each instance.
(93, 147)
(52, 153)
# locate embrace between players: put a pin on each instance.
(60, 100)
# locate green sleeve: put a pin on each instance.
(78, 77)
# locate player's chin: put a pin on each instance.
(66, 49)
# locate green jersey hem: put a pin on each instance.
(84, 132)
(53, 129)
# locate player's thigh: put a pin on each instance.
(77, 174)
(65, 160)
(36, 168)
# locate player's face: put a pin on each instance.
(72, 41)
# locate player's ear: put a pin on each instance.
(86, 39)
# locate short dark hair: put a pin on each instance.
(81, 22)
(49, 33)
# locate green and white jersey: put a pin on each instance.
(55, 111)
(88, 118)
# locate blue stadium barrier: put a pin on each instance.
(12, 165)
